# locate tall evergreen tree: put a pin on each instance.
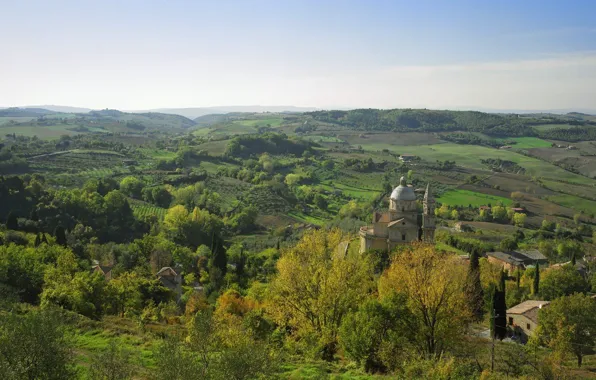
(33, 216)
(219, 258)
(37, 240)
(44, 238)
(536, 287)
(573, 259)
(474, 291)
(12, 223)
(499, 314)
(60, 235)
(518, 279)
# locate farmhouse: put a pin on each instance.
(407, 157)
(170, 279)
(402, 223)
(105, 270)
(517, 259)
(523, 318)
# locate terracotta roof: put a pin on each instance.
(166, 269)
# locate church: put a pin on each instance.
(402, 223)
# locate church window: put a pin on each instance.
(403, 236)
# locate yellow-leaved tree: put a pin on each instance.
(433, 284)
(317, 284)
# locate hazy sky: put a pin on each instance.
(130, 54)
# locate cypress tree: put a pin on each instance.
(37, 240)
(12, 223)
(536, 287)
(499, 315)
(219, 258)
(518, 279)
(60, 235)
(573, 259)
(33, 216)
(474, 290)
(44, 239)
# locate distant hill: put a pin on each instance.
(24, 112)
(193, 113)
(62, 109)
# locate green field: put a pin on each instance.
(573, 202)
(272, 121)
(470, 156)
(546, 127)
(43, 132)
(323, 139)
(530, 142)
(466, 197)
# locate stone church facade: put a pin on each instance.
(403, 223)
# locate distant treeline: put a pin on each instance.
(580, 133)
(273, 143)
(408, 120)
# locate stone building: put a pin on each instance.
(522, 319)
(403, 223)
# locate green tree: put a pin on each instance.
(508, 244)
(519, 219)
(536, 284)
(131, 186)
(12, 222)
(376, 328)
(320, 202)
(316, 286)
(114, 363)
(568, 325)
(563, 281)
(34, 346)
(473, 288)
(60, 235)
(499, 312)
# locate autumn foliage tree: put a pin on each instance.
(433, 284)
(317, 285)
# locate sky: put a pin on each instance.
(133, 55)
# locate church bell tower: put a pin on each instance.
(428, 217)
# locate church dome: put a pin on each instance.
(403, 192)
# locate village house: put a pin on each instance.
(407, 157)
(522, 319)
(105, 270)
(513, 260)
(171, 280)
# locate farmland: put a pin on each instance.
(465, 197)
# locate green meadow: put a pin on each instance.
(466, 197)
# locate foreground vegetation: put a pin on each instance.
(250, 209)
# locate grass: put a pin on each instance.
(470, 155)
(158, 154)
(546, 127)
(141, 209)
(530, 142)
(351, 191)
(43, 132)
(306, 218)
(573, 202)
(323, 139)
(273, 121)
(466, 197)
